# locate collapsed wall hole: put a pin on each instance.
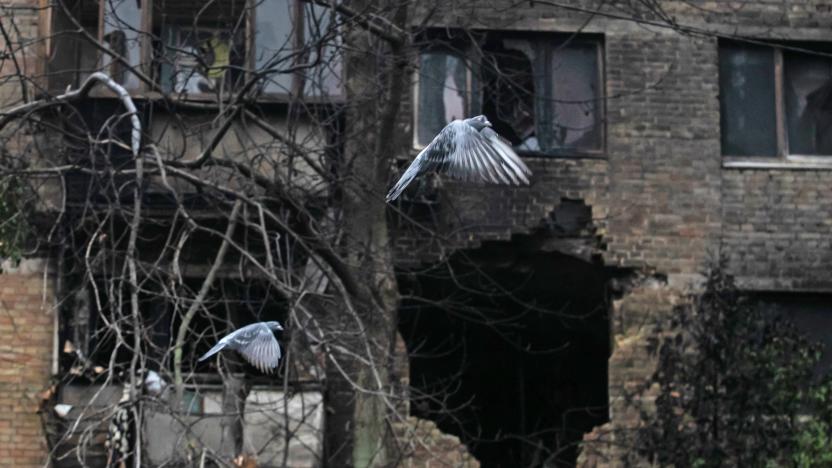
(508, 348)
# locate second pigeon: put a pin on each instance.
(255, 342)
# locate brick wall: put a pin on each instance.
(466, 215)
(655, 195)
(661, 196)
(26, 302)
(776, 228)
(663, 149)
(26, 335)
(423, 445)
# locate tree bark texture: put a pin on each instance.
(359, 403)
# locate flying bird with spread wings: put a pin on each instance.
(255, 342)
(468, 150)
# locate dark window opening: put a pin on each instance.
(511, 352)
(747, 106)
(775, 100)
(807, 83)
(541, 92)
(71, 58)
(509, 93)
(105, 119)
(92, 331)
(812, 316)
(96, 318)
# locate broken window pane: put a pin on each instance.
(203, 45)
(509, 100)
(576, 99)
(542, 95)
(747, 100)
(323, 78)
(808, 97)
(273, 47)
(122, 36)
(442, 92)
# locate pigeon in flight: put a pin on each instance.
(467, 150)
(255, 343)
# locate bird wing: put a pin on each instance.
(483, 156)
(427, 160)
(257, 345)
(463, 153)
(434, 156)
(508, 158)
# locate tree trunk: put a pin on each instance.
(235, 390)
(357, 429)
(234, 393)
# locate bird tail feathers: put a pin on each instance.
(403, 182)
(217, 348)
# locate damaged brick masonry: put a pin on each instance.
(704, 137)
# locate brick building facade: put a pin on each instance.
(680, 176)
(27, 295)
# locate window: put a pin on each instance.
(90, 339)
(121, 33)
(810, 313)
(296, 48)
(775, 101)
(443, 93)
(541, 92)
(71, 58)
(193, 48)
(201, 47)
(807, 92)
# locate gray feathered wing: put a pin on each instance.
(463, 153)
(255, 342)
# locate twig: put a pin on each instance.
(80, 93)
(203, 291)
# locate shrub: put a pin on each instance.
(735, 387)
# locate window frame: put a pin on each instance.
(461, 53)
(145, 33)
(50, 10)
(474, 101)
(299, 82)
(597, 42)
(783, 158)
(147, 58)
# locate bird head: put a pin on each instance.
(479, 122)
(275, 326)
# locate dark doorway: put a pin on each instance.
(508, 350)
